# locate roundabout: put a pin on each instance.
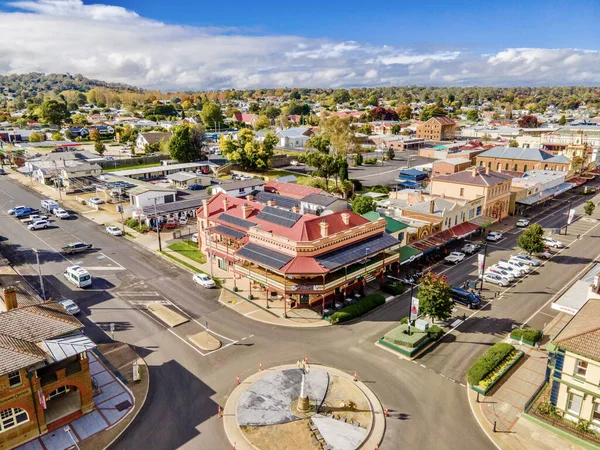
(303, 407)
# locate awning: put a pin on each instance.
(578, 181)
(432, 242)
(484, 221)
(546, 194)
(355, 252)
(408, 254)
(463, 230)
(67, 346)
(230, 232)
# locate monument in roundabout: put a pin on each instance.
(303, 407)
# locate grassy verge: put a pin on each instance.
(192, 268)
(132, 166)
(188, 250)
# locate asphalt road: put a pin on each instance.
(186, 385)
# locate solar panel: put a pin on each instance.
(278, 216)
(355, 252)
(280, 200)
(264, 256)
(246, 224)
(221, 229)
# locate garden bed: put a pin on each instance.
(358, 309)
(487, 383)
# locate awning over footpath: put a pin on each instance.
(484, 221)
(408, 254)
(434, 241)
(546, 194)
(578, 181)
(463, 230)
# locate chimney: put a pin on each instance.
(324, 228)
(431, 206)
(205, 208)
(296, 209)
(271, 202)
(487, 170)
(246, 210)
(225, 204)
(10, 298)
(346, 218)
(250, 197)
(474, 171)
(500, 169)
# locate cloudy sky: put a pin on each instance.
(185, 44)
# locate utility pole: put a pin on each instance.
(157, 228)
(568, 215)
(37, 257)
(483, 268)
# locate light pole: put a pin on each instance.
(37, 257)
(483, 266)
(412, 287)
(157, 228)
(303, 401)
(568, 215)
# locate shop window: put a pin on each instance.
(596, 414)
(581, 368)
(10, 418)
(14, 378)
(574, 403)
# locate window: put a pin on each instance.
(462, 192)
(10, 418)
(14, 378)
(471, 213)
(525, 168)
(506, 166)
(479, 210)
(59, 391)
(581, 368)
(574, 403)
(596, 413)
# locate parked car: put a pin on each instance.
(25, 212)
(494, 236)
(204, 280)
(470, 248)
(76, 247)
(38, 225)
(35, 217)
(551, 242)
(170, 223)
(195, 238)
(519, 265)
(515, 271)
(455, 257)
(521, 223)
(522, 257)
(13, 211)
(61, 214)
(465, 297)
(114, 231)
(183, 221)
(70, 306)
(495, 279)
(195, 187)
(96, 201)
(545, 254)
(499, 271)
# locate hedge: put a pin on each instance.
(404, 320)
(489, 361)
(399, 336)
(350, 312)
(396, 288)
(528, 334)
(435, 332)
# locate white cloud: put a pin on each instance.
(115, 44)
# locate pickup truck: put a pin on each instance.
(76, 247)
(34, 218)
(455, 257)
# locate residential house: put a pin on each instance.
(294, 137)
(437, 129)
(183, 180)
(76, 132)
(240, 188)
(45, 379)
(310, 261)
(296, 191)
(104, 130)
(144, 196)
(321, 204)
(474, 183)
(154, 172)
(152, 137)
(522, 159)
(80, 175)
(248, 119)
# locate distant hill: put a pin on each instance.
(34, 83)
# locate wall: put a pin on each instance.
(518, 165)
(132, 161)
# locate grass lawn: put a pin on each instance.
(189, 250)
(132, 166)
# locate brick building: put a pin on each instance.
(521, 160)
(45, 379)
(450, 165)
(437, 129)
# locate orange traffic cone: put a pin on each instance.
(260, 366)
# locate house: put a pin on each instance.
(311, 261)
(103, 129)
(322, 204)
(393, 227)
(448, 166)
(80, 175)
(240, 188)
(437, 129)
(152, 137)
(574, 366)
(294, 137)
(494, 187)
(183, 180)
(522, 159)
(45, 379)
(296, 191)
(142, 196)
(405, 144)
(248, 119)
(76, 132)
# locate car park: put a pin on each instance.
(466, 298)
(96, 201)
(70, 306)
(495, 279)
(522, 257)
(114, 231)
(515, 271)
(76, 247)
(204, 280)
(25, 212)
(61, 214)
(455, 257)
(502, 272)
(494, 236)
(470, 248)
(521, 223)
(551, 242)
(38, 225)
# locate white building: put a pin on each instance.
(240, 188)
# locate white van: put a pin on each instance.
(78, 276)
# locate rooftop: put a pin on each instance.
(477, 176)
(526, 154)
(253, 182)
(319, 199)
(581, 334)
(290, 189)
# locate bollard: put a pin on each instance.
(494, 426)
(464, 316)
(238, 379)
(387, 412)
(220, 414)
(477, 397)
(355, 376)
(260, 366)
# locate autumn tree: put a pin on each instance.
(340, 134)
(94, 134)
(528, 121)
(99, 147)
(472, 115)
(589, 207)
(246, 151)
(262, 122)
(404, 112)
(382, 113)
(211, 115)
(432, 111)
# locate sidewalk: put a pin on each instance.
(508, 400)
(117, 402)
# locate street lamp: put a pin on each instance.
(157, 228)
(303, 401)
(37, 257)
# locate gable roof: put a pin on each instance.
(153, 137)
(294, 132)
(443, 120)
(253, 182)
(290, 189)
(81, 167)
(581, 334)
(481, 177)
(319, 199)
(526, 154)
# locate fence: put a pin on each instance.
(133, 161)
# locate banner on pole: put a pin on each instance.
(414, 309)
(480, 264)
(571, 216)
(42, 398)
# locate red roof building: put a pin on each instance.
(290, 189)
(245, 118)
(308, 259)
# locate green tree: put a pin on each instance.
(530, 240)
(99, 147)
(79, 119)
(563, 120)
(343, 170)
(513, 143)
(340, 96)
(363, 204)
(262, 122)
(182, 146)
(358, 159)
(246, 151)
(390, 154)
(54, 112)
(187, 105)
(56, 136)
(340, 134)
(36, 137)
(326, 166)
(94, 134)
(365, 129)
(432, 111)
(589, 207)
(211, 115)
(318, 142)
(435, 296)
(152, 148)
(68, 134)
(472, 115)
(396, 129)
(80, 99)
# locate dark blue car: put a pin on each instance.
(195, 187)
(464, 297)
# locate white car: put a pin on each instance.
(204, 280)
(96, 201)
(61, 213)
(470, 248)
(526, 259)
(502, 272)
(522, 223)
(545, 254)
(455, 257)
(514, 271)
(195, 238)
(515, 267)
(35, 217)
(38, 225)
(183, 221)
(494, 236)
(495, 279)
(551, 242)
(70, 306)
(13, 211)
(114, 231)
(519, 265)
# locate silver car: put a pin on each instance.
(502, 272)
(526, 259)
(495, 279)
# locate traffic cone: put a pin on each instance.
(260, 366)
(376, 446)
(219, 411)
(387, 412)
(355, 376)
(238, 379)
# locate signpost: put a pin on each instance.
(112, 330)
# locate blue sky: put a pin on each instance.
(185, 44)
